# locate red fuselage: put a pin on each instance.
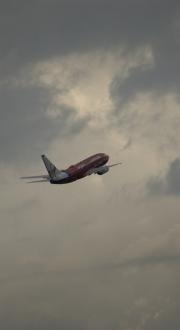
(83, 168)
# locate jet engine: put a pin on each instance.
(102, 170)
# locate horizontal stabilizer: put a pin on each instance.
(35, 177)
(38, 181)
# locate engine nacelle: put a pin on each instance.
(102, 170)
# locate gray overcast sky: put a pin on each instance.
(76, 78)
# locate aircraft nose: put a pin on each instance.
(106, 157)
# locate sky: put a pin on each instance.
(78, 77)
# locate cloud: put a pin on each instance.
(162, 76)
(169, 184)
(64, 41)
(56, 99)
(61, 28)
(25, 127)
(78, 77)
(148, 261)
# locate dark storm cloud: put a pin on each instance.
(37, 30)
(25, 126)
(40, 29)
(40, 322)
(162, 78)
(169, 184)
(161, 32)
(141, 262)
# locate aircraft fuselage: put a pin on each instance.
(81, 169)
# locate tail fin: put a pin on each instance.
(51, 168)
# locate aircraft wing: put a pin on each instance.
(97, 169)
(114, 164)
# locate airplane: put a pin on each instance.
(95, 164)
